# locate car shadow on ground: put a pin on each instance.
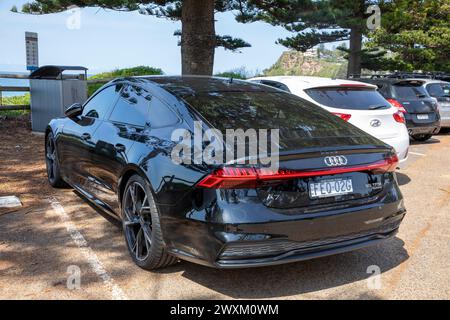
(402, 179)
(297, 278)
(429, 141)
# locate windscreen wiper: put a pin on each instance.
(377, 107)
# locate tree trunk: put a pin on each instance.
(354, 57)
(198, 38)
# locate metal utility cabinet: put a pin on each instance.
(52, 92)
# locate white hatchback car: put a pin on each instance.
(356, 102)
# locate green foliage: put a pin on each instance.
(126, 72)
(374, 59)
(92, 87)
(417, 33)
(227, 42)
(238, 73)
(17, 100)
(14, 113)
(312, 21)
(169, 9)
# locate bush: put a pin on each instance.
(126, 72)
(238, 73)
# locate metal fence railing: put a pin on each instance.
(4, 106)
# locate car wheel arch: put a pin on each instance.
(127, 173)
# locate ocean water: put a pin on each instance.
(15, 83)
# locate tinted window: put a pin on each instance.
(160, 114)
(439, 90)
(269, 110)
(276, 84)
(409, 90)
(348, 98)
(100, 104)
(132, 107)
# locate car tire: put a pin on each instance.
(142, 226)
(422, 137)
(52, 163)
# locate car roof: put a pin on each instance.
(398, 80)
(427, 80)
(184, 86)
(307, 82)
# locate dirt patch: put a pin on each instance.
(22, 166)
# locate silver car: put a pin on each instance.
(440, 90)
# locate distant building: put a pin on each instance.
(311, 53)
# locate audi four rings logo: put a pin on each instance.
(335, 161)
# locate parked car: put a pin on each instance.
(335, 189)
(409, 96)
(440, 90)
(356, 102)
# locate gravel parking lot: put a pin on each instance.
(55, 233)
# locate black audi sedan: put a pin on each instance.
(334, 188)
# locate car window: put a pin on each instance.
(439, 90)
(269, 110)
(99, 106)
(349, 98)
(276, 84)
(132, 107)
(407, 90)
(160, 115)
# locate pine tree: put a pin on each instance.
(198, 37)
(317, 21)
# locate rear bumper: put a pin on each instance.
(294, 238)
(415, 127)
(401, 144)
(308, 252)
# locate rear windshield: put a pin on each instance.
(409, 90)
(349, 98)
(439, 90)
(269, 110)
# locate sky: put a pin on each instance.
(105, 40)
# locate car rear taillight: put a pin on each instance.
(343, 116)
(399, 117)
(249, 177)
(398, 105)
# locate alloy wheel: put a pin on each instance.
(50, 155)
(137, 221)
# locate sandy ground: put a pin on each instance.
(55, 234)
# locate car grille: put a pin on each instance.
(268, 248)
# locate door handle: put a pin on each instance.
(86, 136)
(120, 147)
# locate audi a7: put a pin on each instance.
(334, 190)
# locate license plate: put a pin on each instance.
(422, 116)
(330, 188)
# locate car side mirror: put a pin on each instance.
(74, 110)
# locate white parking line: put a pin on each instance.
(116, 292)
(417, 154)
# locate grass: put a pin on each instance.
(14, 113)
(126, 72)
(15, 100)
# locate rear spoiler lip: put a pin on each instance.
(323, 152)
(307, 153)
